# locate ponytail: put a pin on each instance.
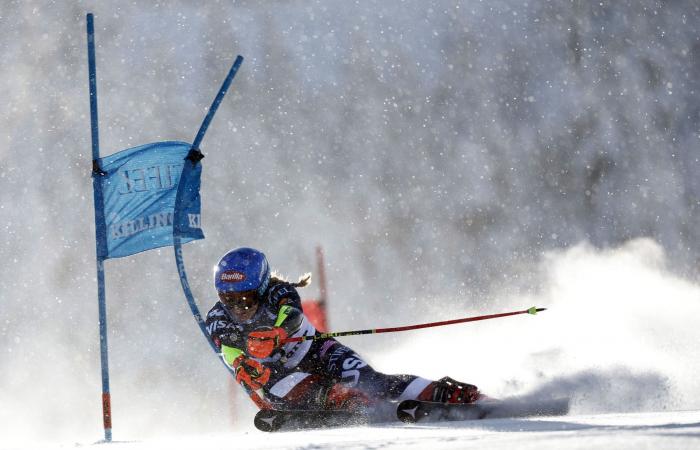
(303, 281)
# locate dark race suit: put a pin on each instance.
(302, 372)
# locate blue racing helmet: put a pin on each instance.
(241, 270)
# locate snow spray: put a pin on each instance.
(620, 334)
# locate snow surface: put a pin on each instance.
(673, 429)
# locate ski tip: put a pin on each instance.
(268, 420)
(408, 411)
(535, 310)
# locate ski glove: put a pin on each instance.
(250, 372)
(264, 340)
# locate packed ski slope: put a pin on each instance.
(662, 430)
(653, 430)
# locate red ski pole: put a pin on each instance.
(532, 310)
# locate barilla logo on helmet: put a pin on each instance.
(232, 276)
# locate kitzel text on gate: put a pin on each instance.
(150, 178)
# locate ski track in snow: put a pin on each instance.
(658, 430)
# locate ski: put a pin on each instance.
(409, 411)
(270, 420)
(412, 411)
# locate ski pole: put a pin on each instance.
(532, 310)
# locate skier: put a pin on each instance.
(257, 311)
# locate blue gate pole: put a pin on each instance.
(192, 159)
(217, 101)
(177, 245)
(99, 212)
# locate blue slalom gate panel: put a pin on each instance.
(139, 188)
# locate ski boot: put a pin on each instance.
(447, 390)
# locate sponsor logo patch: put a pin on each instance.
(232, 276)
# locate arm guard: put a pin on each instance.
(230, 354)
(285, 298)
(290, 319)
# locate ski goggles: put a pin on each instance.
(239, 301)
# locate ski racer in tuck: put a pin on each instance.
(257, 311)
